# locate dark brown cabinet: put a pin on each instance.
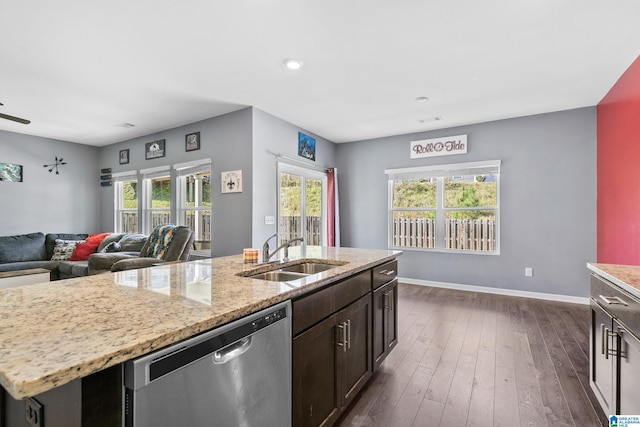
(385, 314)
(332, 349)
(315, 389)
(614, 348)
(385, 323)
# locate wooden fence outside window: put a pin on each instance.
(460, 234)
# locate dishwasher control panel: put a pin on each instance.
(268, 319)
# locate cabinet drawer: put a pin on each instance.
(312, 308)
(617, 302)
(384, 273)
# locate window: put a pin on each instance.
(193, 200)
(126, 202)
(446, 207)
(156, 192)
(301, 205)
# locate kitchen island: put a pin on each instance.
(615, 337)
(54, 334)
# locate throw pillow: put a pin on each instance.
(83, 250)
(64, 249)
(97, 238)
(159, 241)
(111, 247)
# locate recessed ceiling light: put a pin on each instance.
(292, 63)
(421, 99)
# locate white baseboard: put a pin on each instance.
(498, 291)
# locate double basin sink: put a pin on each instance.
(290, 271)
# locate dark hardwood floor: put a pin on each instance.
(473, 359)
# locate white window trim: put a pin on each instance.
(184, 169)
(146, 176)
(441, 171)
(118, 179)
(283, 167)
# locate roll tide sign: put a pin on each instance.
(439, 146)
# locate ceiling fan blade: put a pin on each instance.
(15, 119)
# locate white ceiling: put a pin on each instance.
(78, 68)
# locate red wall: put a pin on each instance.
(618, 119)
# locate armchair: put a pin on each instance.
(165, 243)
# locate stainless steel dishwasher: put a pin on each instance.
(236, 375)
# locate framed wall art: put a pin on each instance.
(192, 141)
(232, 181)
(154, 150)
(124, 157)
(306, 146)
(10, 172)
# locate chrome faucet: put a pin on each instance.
(265, 249)
(266, 255)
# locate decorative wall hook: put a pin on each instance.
(54, 166)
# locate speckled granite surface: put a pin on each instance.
(53, 333)
(625, 276)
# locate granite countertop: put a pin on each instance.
(56, 332)
(626, 277)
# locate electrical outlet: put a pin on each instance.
(528, 271)
(34, 412)
(269, 220)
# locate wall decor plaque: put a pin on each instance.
(192, 141)
(232, 181)
(154, 150)
(123, 157)
(439, 146)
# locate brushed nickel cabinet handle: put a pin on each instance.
(389, 273)
(349, 334)
(342, 343)
(612, 300)
(602, 333)
(606, 343)
(382, 271)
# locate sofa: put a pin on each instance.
(36, 250)
(166, 243)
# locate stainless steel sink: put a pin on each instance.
(279, 276)
(309, 268)
(293, 271)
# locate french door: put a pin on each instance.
(302, 199)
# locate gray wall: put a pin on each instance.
(548, 201)
(46, 202)
(273, 135)
(227, 141)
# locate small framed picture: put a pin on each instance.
(124, 157)
(306, 146)
(155, 149)
(232, 181)
(192, 141)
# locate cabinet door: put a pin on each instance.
(628, 372)
(391, 316)
(385, 321)
(378, 327)
(601, 362)
(315, 390)
(354, 356)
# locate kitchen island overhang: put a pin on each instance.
(54, 333)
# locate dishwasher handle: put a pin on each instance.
(232, 351)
